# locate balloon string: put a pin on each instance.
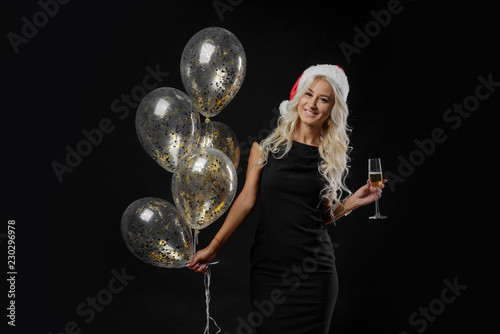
(206, 280)
(211, 133)
(193, 236)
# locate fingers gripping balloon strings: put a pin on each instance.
(206, 280)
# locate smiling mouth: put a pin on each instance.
(310, 113)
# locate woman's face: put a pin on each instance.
(316, 104)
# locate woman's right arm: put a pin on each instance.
(239, 211)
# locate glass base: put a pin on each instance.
(377, 216)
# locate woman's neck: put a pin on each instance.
(307, 135)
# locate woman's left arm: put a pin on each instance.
(363, 196)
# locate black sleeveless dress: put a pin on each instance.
(293, 279)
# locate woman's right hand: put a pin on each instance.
(201, 257)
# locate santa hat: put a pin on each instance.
(334, 72)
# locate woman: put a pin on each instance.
(297, 175)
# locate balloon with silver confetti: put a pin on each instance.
(168, 125)
(213, 66)
(221, 137)
(203, 186)
(156, 233)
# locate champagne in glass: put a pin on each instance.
(375, 177)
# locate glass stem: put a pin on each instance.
(376, 208)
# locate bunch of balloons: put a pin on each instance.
(202, 158)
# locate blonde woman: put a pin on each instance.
(296, 177)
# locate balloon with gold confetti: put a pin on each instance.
(203, 186)
(221, 137)
(156, 233)
(168, 125)
(213, 66)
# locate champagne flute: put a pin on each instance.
(376, 178)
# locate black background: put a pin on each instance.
(68, 241)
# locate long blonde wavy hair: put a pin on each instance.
(334, 148)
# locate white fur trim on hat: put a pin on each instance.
(333, 72)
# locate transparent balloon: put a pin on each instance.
(168, 125)
(156, 233)
(213, 66)
(204, 186)
(221, 137)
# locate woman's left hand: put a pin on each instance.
(367, 194)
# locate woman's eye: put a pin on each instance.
(308, 94)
